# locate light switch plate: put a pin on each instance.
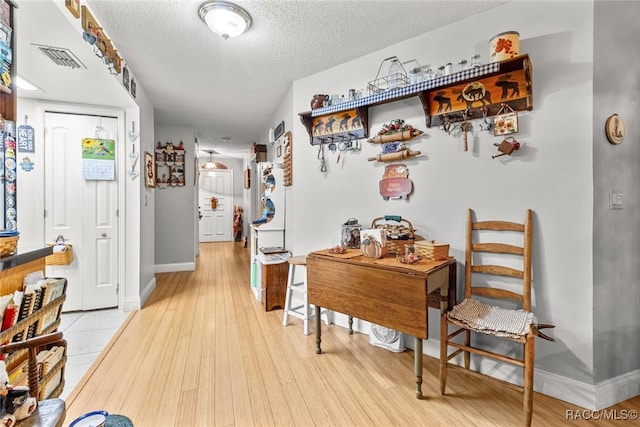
(615, 199)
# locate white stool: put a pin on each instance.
(302, 311)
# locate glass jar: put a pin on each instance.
(415, 76)
(462, 65)
(440, 72)
(427, 74)
(410, 255)
(475, 61)
(393, 77)
(448, 69)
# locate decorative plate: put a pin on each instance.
(93, 419)
(614, 128)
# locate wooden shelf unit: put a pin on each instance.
(13, 269)
(8, 96)
(443, 99)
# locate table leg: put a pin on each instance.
(418, 366)
(318, 323)
(350, 325)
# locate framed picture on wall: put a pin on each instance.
(149, 170)
(125, 78)
(279, 151)
(73, 6)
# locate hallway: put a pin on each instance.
(203, 352)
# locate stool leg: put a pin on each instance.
(287, 302)
(307, 309)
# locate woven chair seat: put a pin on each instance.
(491, 320)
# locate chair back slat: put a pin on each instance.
(496, 293)
(498, 270)
(484, 262)
(498, 226)
(498, 248)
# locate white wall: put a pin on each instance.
(551, 174)
(175, 207)
(616, 294)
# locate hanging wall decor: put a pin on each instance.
(288, 159)
(150, 174)
(506, 147)
(169, 165)
(395, 183)
(73, 6)
(506, 121)
(392, 137)
(269, 186)
(26, 137)
(614, 128)
(98, 159)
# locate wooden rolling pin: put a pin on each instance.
(398, 136)
(392, 157)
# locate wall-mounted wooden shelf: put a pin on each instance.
(342, 125)
(481, 90)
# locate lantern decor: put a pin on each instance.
(392, 136)
(351, 233)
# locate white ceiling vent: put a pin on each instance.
(61, 56)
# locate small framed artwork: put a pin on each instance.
(133, 87)
(279, 130)
(125, 78)
(73, 6)
(149, 170)
(279, 151)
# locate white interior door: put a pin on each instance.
(84, 211)
(216, 224)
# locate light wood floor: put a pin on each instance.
(203, 352)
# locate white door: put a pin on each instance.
(216, 224)
(84, 211)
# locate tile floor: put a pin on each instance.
(87, 333)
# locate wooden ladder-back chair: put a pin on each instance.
(51, 412)
(498, 320)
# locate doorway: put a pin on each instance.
(216, 206)
(81, 204)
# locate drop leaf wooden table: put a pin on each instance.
(382, 291)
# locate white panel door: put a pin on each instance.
(216, 224)
(83, 211)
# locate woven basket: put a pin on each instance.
(399, 232)
(60, 257)
(8, 245)
(430, 249)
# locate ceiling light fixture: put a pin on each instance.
(210, 164)
(25, 84)
(224, 18)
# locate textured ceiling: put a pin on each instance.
(230, 88)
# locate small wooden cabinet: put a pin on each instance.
(274, 285)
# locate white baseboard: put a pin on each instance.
(587, 396)
(170, 268)
(146, 292)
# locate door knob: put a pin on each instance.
(104, 234)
